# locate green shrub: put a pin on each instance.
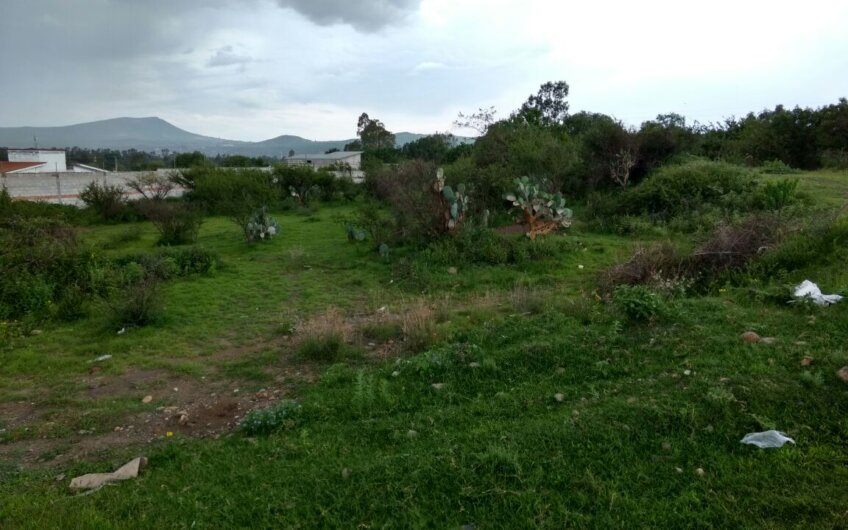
(777, 195)
(177, 223)
(107, 200)
(326, 347)
(138, 303)
(776, 167)
(687, 189)
(638, 302)
(39, 258)
(171, 262)
(271, 419)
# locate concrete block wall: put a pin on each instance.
(63, 187)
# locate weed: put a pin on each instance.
(274, 418)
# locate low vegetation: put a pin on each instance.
(290, 349)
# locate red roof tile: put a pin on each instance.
(10, 167)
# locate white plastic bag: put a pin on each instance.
(767, 439)
(809, 289)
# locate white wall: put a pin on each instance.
(67, 186)
(55, 160)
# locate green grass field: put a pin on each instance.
(495, 397)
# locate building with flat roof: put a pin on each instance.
(346, 159)
(42, 161)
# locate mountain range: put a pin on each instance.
(156, 134)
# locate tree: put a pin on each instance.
(195, 158)
(373, 134)
(548, 106)
(479, 121)
(433, 148)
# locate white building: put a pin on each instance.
(42, 161)
(340, 159)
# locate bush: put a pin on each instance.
(650, 266)
(776, 167)
(421, 212)
(687, 189)
(273, 418)
(638, 302)
(778, 195)
(172, 262)
(324, 348)
(138, 303)
(177, 223)
(107, 200)
(41, 261)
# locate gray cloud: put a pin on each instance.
(364, 15)
(227, 56)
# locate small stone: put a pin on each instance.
(147, 399)
(452, 270)
(183, 419)
(438, 386)
(800, 343)
(395, 373)
(750, 336)
(176, 389)
(36, 332)
(843, 374)
(687, 372)
(411, 434)
(474, 365)
(679, 470)
(345, 472)
(118, 429)
(700, 472)
(806, 361)
(768, 340)
(236, 391)
(559, 398)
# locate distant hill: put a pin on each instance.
(155, 134)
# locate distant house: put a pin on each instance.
(347, 159)
(42, 161)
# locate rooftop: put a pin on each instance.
(338, 155)
(11, 167)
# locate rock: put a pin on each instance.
(411, 434)
(687, 372)
(474, 365)
(843, 374)
(438, 386)
(35, 332)
(147, 399)
(345, 472)
(700, 472)
(559, 398)
(768, 340)
(395, 373)
(806, 361)
(679, 470)
(452, 270)
(750, 336)
(182, 419)
(118, 429)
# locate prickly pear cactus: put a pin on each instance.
(541, 211)
(454, 202)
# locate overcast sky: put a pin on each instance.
(255, 69)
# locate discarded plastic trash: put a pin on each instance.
(766, 439)
(101, 358)
(809, 289)
(94, 481)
